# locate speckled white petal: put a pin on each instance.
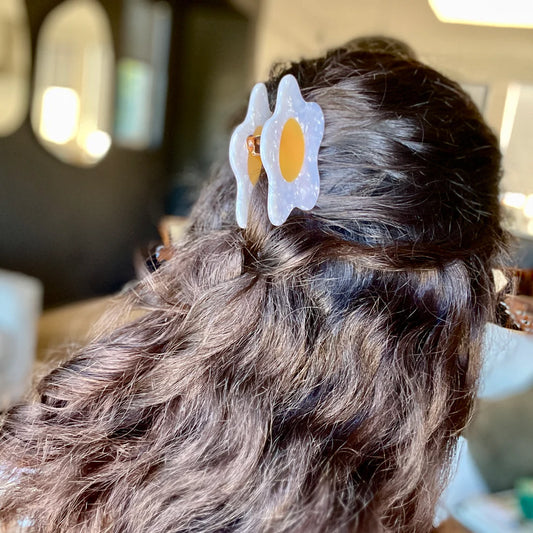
(258, 113)
(303, 191)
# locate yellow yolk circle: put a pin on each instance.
(254, 161)
(291, 150)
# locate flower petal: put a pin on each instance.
(258, 113)
(287, 192)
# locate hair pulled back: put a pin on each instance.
(310, 377)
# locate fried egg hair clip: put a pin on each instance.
(285, 144)
(290, 141)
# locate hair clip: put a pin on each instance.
(289, 151)
(244, 156)
(286, 144)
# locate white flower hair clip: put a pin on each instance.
(285, 144)
(246, 163)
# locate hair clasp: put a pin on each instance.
(285, 143)
(253, 143)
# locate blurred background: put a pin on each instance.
(112, 113)
(114, 110)
(123, 104)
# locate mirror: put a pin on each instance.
(15, 60)
(515, 140)
(142, 74)
(73, 91)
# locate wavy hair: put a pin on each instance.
(310, 377)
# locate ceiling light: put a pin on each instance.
(505, 13)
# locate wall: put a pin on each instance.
(473, 54)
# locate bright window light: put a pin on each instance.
(507, 13)
(509, 113)
(514, 199)
(60, 113)
(97, 143)
(528, 207)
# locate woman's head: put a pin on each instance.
(406, 157)
(307, 377)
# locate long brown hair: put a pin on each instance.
(310, 377)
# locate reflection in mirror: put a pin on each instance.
(142, 74)
(15, 58)
(72, 102)
(515, 140)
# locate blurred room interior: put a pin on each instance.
(113, 112)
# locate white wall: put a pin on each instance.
(289, 29)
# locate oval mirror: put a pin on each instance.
(71, 111)
(15, 60)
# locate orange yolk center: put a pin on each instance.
(291, 150)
